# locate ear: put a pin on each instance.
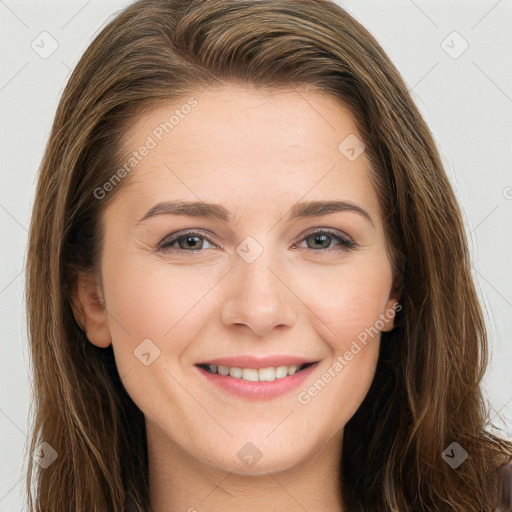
(89, 310)
(392, 308)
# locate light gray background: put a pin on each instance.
(467, 102)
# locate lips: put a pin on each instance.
(247, 361)
(264, 383)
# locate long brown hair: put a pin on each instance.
(426, 392)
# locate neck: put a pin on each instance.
(179, 482)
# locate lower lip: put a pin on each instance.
(258, 390)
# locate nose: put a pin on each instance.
(259, 296)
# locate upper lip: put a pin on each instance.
(258, 362)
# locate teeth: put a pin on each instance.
(223, 370)
(235, 372)
(281, 372)
(251, 374)
(267, 374)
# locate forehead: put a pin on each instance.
(238, 116)
(241, 144)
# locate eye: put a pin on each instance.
(193, 241)
(190, 241)
(323, 238)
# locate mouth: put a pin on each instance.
(267, 374)
(272, 378)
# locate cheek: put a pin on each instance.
(345, 313)
(346, 304)
(156, 302)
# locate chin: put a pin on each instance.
(256, 457)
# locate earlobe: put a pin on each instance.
(388, 316)
(391, 309)
(90, 311)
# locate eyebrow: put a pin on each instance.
(219, 212)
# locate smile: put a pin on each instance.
(254, 375)
(247, 383)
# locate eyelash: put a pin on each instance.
(165, 245)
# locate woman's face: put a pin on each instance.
(264, 276)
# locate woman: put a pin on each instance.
(193, 348)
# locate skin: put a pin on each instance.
(257, 154)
